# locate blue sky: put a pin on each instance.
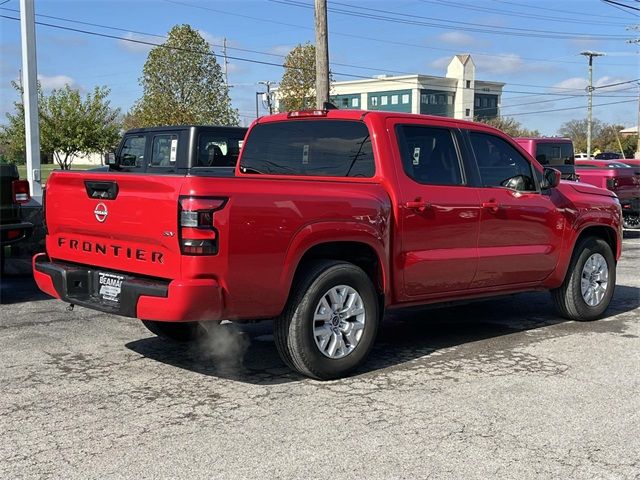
(541, 73)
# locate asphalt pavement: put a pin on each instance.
(499, 389)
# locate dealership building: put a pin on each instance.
(458, 94)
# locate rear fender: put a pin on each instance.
(328, 232)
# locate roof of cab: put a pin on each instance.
(338, 114)
(174, 128)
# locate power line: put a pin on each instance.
(410, 19)
(511, 13)
(537, 8)
(375, 39)
(261, 62)
(565, 109)
(623, 5)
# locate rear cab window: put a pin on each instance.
(554, 153)
(320, 148)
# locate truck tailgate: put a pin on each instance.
(119, 222)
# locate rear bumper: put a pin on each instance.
(140, 297)
(14, 232)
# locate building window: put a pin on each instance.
(355, 102)
(405, 98)
(492, 103)
(467, 112)
(440, 99)
(424, 98)
(432, 99)
(384, 100)
(477, 102)
(468, 83)
(394, 99)
(345, 102)
(374, 101)
(485, 102)
(449, 100)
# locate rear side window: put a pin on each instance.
(164, 151)
(133, 151)
(555, 153)
(216, 150)
(500, 164)
(328, 148)
(429, 155)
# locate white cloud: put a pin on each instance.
(501, 65)
(456, 38)
(132, 44)
(281, 49)
(56, 81)
(579, 83)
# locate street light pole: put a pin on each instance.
(637, 155)
(590, 90)
(30, 96)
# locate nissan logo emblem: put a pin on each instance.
(101, 212)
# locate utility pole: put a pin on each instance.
(226, 62)
(268, 84)
(29, 83)
(322, 54)
(590, 90)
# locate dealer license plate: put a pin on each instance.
(110, 286)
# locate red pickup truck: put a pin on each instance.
(332, 218)
(621, 178)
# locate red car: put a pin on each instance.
(332, 218)
(620, 178)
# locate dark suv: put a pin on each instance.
(13, 193)
(608, 156)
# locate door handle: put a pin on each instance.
(419, 205)
(492, 205)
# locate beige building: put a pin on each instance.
(458, 94)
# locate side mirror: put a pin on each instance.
(550, 178)
(110, 159)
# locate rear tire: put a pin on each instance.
(588, 286)
(182, 332)
(330, 322)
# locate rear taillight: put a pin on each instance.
(20, 191)
(612, 183)
(198, 236)
(44, 210)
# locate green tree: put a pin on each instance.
(12, 136)
(297, 88)
(182, 84)
(70, 125)
(73, 126)
(510, 126)
(576, 130)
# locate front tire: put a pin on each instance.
(182, 332)
(330, 322)
(588, 287)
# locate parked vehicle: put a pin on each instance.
(608, 156)
(632, 162)
(620, 178)
(581, 156)
(332, 218)
(13, 193)
(553, 152)
(156, 150)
